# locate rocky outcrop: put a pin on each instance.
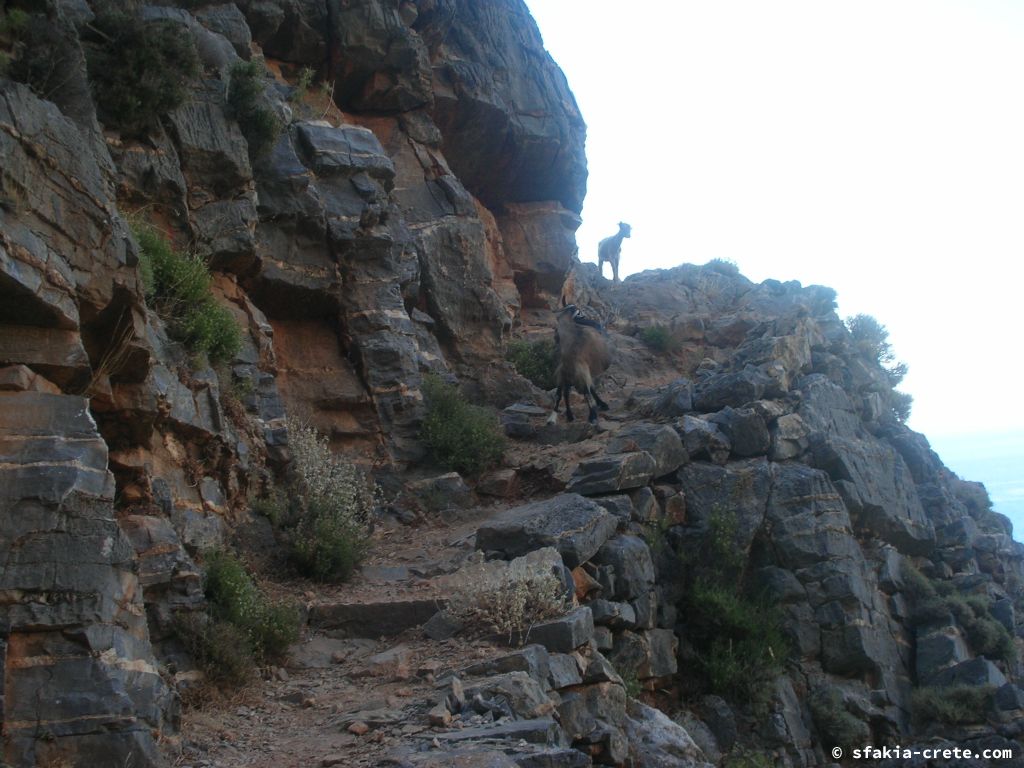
(80, 680)
(364, 249)
(417, 207)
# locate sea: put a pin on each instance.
(995, 459)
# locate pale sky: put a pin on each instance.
(873, 146)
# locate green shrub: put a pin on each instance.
(327, 545)
(219, 648)
(334, 502)
(234, 598)
(40, 55)
(871, 341)
(953, 705)
(459, 436)
(836, 726)
(534, 360)
(305, 79)
(725, 556)
(241, 628)
(138, 70)
(259, 124)
(933, 601)
(739, 642)
(177, 286)
(986, 635)
(659, 338)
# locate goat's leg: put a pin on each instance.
(553, 417)
(615, 269)
(601, 404)
(592, 415)
(568, 410)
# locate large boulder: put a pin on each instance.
(660, 441)
(575, 526)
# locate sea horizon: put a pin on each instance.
(994, 458)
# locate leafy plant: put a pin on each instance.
(258, 122)
(177, 286)
(506, 598)
(932, 601)
(659, 338)
(836, 726)
(738, 640)
(334, 502)
(302, 84)
(534, 360)
(952, 705)
(459, 436)
(241, 629)
(139, 70)
(39, 55)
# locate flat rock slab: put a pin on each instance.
(543, 730)
(459, 758)
(614, 472)
(533, 660)
(659, 440)
(573, 525)
(322, 652)
(565, 634)
(373, 620)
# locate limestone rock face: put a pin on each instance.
(510, 139)
(76, 653)
(418, 208)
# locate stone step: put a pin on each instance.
(372, 620)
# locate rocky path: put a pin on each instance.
(342, 700)
(367, 687)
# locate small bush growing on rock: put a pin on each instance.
(177, 286)
(985, 634)
(236, 599)
(334, 501)
(459, 436)
(871, 341)
(138, 70)
(302, 84)
(738, 640)
(952, 705)
(836, 726)
(39, 55)
(242, 627)
(506, 598)
(660, 339)
(258, 122)
(534, 360)
(934, 601)
(219, 648)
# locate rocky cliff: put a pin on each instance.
(411, 208)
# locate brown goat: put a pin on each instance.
(610, 249)
(583, 355)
